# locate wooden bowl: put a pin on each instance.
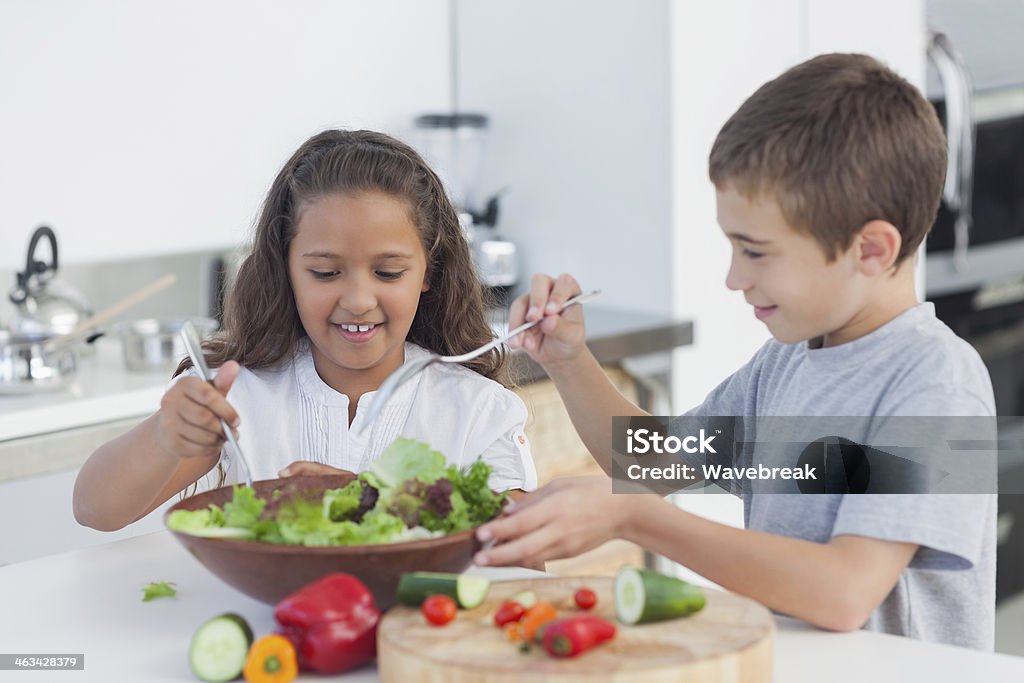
(268, 572)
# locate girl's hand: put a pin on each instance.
(563, 519)
(188, 422)
(300, 467)
(560, 337)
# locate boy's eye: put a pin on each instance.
(323, 274)
(389, 274)
(752, 254)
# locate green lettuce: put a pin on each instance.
(408, 459)
(409, 492)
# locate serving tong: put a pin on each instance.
(195, 352)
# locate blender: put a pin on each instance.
(453, 144)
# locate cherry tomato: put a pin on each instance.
(510, 611)
(438, 609)
(585, 598)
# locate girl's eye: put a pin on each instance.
(323, 274)
(752, 254)
(389, 275)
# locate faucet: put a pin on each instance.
(959, 95)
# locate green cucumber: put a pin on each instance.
(467, 591)
(643, 596)
(527, 599)
(219, 648)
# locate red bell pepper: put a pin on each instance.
(570, 636)
(332, 622)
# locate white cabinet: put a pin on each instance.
(38, 520)
(142, 128)
(37, 479)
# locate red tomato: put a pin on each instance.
(585, 598)
(438, 609)
(510, 611)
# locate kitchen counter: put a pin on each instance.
(88, 602)
(104, 391)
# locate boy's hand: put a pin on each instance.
(306, 467)
(188, 422)
(554, 522)
(560, 337)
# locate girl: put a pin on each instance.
(358, 264)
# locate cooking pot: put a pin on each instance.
(36, 361)
(155, 344)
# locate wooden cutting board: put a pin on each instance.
(729, 641)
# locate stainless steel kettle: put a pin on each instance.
(44, 304)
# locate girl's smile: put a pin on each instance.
(358, 333)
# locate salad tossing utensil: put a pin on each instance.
(413, 368)
(195, 352)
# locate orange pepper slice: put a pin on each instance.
(535, 617)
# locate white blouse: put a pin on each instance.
(290, 414)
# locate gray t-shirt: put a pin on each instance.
(913, 365)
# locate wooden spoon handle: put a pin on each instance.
(121, 306)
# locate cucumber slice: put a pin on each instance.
(643, 596)
(219, 648)
(527, 599)
(468, 591)
(222, 532)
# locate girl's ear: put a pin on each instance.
(878, 244)
(426, 283)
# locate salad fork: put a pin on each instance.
(195, 352)
(413, 368)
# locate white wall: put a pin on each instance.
(579, 97)
(136, 128)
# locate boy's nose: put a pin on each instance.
(736, 280)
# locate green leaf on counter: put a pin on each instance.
(158, 589)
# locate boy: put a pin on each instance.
(827, 180)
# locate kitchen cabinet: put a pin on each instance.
(171, 90)
(35, 496)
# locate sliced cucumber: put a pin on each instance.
(643, 596)
(222, 532)
(527, 599)
(219, 648)
(468, 591)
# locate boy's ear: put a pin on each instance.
(878, 244)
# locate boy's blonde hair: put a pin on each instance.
(838, 141)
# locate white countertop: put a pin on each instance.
(89, 602)
(103, 391)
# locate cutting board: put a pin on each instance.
(729, 641)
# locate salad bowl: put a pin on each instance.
(269, 571)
